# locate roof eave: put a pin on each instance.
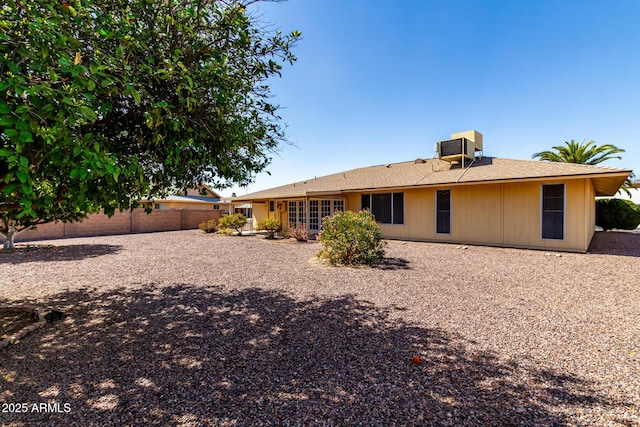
(605, 180)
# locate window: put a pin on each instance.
(293, 213)
(325, 207)
(271, 206)
(216, 206)
(387, 208)
(301, 214)
(443, 211)
(365, 202)
(553, 211)
(160, 206)
(338, 205)
(398, 208)
(314, 223)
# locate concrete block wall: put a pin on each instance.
(136, 221)
(191, 218)
(99, 225)
(160, 220)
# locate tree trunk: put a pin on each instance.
(9, 239)
(10, 235)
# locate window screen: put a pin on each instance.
(381, 207)
(443, 211)
(365, 202)
(398, 208)
(553, 211)
(387, 208)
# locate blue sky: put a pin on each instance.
(381, 81)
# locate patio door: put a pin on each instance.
(318, 209)
(297, 213)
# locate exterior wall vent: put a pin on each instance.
(461, 146)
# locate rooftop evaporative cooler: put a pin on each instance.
(461, 146)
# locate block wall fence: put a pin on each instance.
(136, 221)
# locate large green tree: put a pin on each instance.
(107, 102)
(586, 153)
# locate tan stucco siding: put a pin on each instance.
(506, 214)
(187, 205)
(259, 211)
(590, 209)
(477, 214)
(502, 214)
(523, 211)
(352, 202)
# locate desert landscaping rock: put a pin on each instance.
(185, 328)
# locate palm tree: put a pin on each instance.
(586, 153)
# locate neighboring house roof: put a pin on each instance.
(435, 172)
(190, 199)
(209, 191)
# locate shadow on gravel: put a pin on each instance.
(615, 243)
(38, 253)
(389, 263)
(191, 356)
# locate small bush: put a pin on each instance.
(233, 221)
(299, 233)
(270, 225)
(225, 231)
(617, 213)
(351, 238)
(210, 226)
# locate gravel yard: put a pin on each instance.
(183, 328)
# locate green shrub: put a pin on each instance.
(351, 238)
(233, 221)
(617, 213)
(270, 225)
(210, 226)
(299, 233)
(225, 231)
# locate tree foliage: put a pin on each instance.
(586, 153)
(104, 102)
(617, 213)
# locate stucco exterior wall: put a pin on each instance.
(259, 211)
(187, 205)
(497, 214)
(506, 214)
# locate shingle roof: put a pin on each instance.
(436, 172)
(190, 199)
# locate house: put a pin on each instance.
(193, 199)
(458, 197)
